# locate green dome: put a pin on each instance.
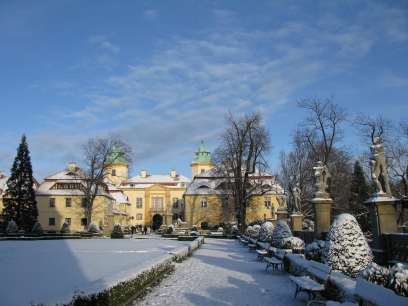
(202, 155)
(116, 156)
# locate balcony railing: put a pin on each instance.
(397, 246)
(157, 209)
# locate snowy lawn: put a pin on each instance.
(51, 271)
(222, 272)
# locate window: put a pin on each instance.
(267, 202)
(113, 172)
(157, 203)
(175, 203)
(52, 202)
(68, 202)
(138, 216)
(203, 202)
(84, 221)
(68, 221)
(51, 221)
(139, 203)
(202, 170)
(84, 202)
(175, 216)
(225, 202)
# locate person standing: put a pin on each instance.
(145, 230)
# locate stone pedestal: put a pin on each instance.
(296, 222)
(322, 204)
(384, 220)
(168, 217)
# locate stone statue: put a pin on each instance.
(273, 211)
(169, 207)
(296, 199)
(322, 177)
(282, 201)
(180, 223)
(379, 173)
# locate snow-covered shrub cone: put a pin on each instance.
(170, 229)
(346, 248)
(399, 279)
(308, 224)
(220, 229)
(292, 242)
(11, 227)
(65, 229)
(194, 228)
(254, 231)
(248, 230)
(314, 250)
(21, 231)
(37, 228)
(117, 231)
(265, 232)
(280, 232)
(93, 228)
(235, 230)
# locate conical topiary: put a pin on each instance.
(11, 227)
(265, 232)
(346, 249)
(37, 228)
(65, 229)
(117, 231)
(93, 228)
(280, 232)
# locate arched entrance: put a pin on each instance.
(157, 221)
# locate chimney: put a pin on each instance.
(1, 174)
(143, 174)
(72, 166)
(173, 173)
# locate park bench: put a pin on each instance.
(276, 261)
(315, 282)
(262, 252)
(252, 245)
(374, 295)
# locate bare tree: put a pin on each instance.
(321, 130)
(99, 156)
(242, 160)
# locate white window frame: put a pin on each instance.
(203, 202)
(139, 217)
(139, 202)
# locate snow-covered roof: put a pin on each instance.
(139, 181)
(118, 195)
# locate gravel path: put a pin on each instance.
(223, 272)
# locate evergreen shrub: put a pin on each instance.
(37, 228)
(292, 242)
(12, 227)
(280, 232)
(265, 232)
(65, 229)
(93, 228)
(117, 232)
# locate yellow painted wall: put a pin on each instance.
(196, 168)
(214, 213)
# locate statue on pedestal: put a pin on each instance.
(322, 177)
(169, 207)
(296, 199)
(379, 173)
(282, 201)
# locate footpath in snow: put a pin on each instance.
(223, 272)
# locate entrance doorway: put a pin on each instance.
(157, 221)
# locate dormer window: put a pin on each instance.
(113, 172)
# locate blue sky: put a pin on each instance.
(163, 74)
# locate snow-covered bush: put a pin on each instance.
(21, 231)
(265, 232)
(254, 231)
(376, 274)
(11, 227)
(314, 250)
(399, 279)
(308, 224)
(346, 248)
(280, 232)
(126, 230)
(220, 229)
(37, 228)
(235, 230)
(292, 242)
(257, 222)
(170, 229)
(248, 230)
(117, 231)
(65, 229)
(194, 233)
(194, 228)
(93, 228)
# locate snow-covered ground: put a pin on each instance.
(51, 271)
(222, 272)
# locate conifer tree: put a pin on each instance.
(360, 192)
(19, 198)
